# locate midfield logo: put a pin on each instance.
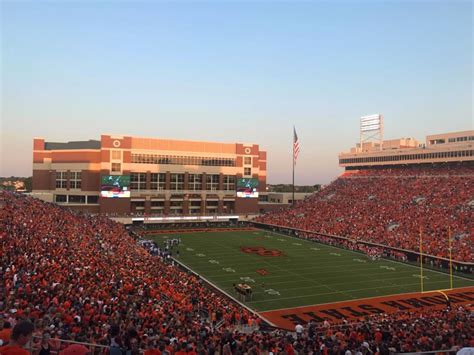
(262, 251)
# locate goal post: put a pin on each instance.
(421, 260)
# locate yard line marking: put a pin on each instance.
(201, 255)
(327, 246)
(271, 291)
(336, 264)
(247, 279)
(213, 261)
(327, 293)
(293, 273)
(361, 268)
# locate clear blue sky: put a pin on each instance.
(234, 72)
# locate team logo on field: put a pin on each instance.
(262, 272)
(262, 251)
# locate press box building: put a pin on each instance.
(150, 176)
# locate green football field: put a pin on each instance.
(307, 273)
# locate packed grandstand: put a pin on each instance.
(392, 207)
(87, 279)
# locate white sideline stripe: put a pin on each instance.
(361, 299)
(271, 284)
(319, 294)
(330, 293)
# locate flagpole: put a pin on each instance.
(293, 195)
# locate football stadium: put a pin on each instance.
(384, 249)
(236, 178)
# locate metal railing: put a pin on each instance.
(56, 345)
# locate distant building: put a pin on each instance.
(13, 184)
(275, 200)
(438, 148)
(150, 176)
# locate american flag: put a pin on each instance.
(296, 146)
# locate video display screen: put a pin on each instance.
(115, 186)
(247, 188)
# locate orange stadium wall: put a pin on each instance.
(241, 149)
(38, 144)
(113, 142)
(84, 156)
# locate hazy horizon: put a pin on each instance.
(234, 72)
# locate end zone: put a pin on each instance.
(357, 309)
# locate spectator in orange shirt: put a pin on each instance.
(21, 335)
(5, 331)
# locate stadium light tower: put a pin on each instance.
(371, 129)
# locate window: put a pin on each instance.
(157, 205)
(211, 206)
(60, 198)
(61, 179)
(247, 160)
(77, 199)
(116, 167)
(194, 204)
(92, 199)
(194, 182)
(229, 182)
(138, 205)
(138, 181)
(116, 155)
(176, 204)
(177, 182)
(212, 182)
(247, 171)
(75, 181)
(158, 181)
(181, 160)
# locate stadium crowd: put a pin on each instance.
(83, 278)
(391, 207)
